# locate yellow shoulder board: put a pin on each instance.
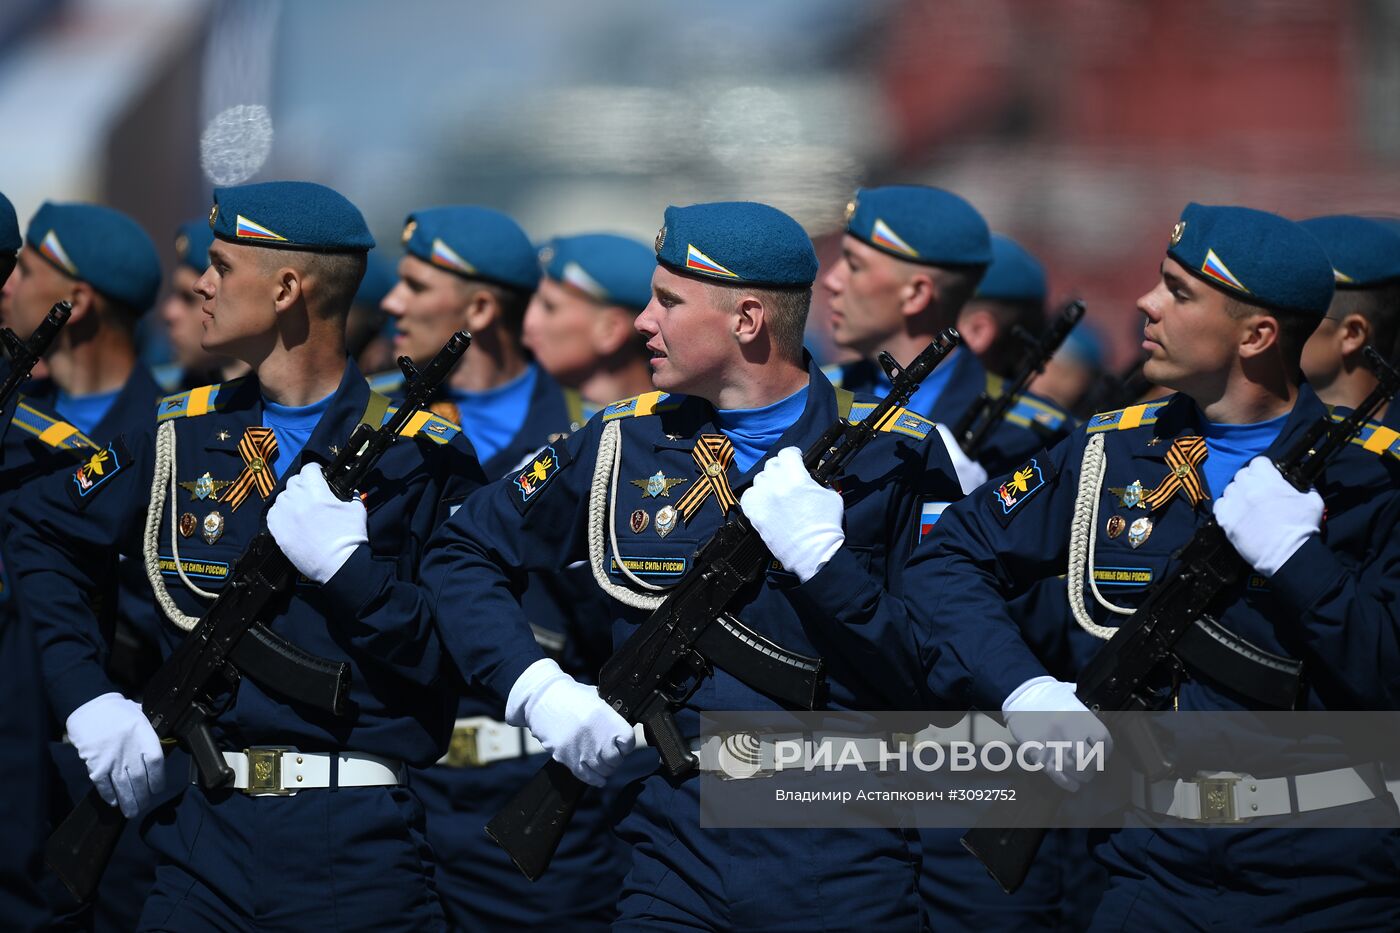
(650, 403)
(1377, 438)
(1125, 418)
(426, 424)
(389, 381)
(189, 404)
(898, 421)
(51, 431)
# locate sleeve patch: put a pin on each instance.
(930, 511)
(525, 487)
(1020, 486)
(97, 471)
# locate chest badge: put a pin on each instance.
(213, 527)
(188, 523)
(1130, 496)
(657, 485)
(205, 487)
(639, 521)
(665, 520)
(1116, 524)
(1139, 531)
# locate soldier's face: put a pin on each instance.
(239, 292)
(1191, 340)
(184, 320)
(428, 306)
(688, 331)
(561, 329)
(31, 291)
(865, 288)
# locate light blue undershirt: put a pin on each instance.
(922, 401)
(754, 431)
(1231, 446)
(492, 418)
(292, 427)
(85, 412)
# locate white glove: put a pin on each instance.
(1046, 710)
(317, 531)
(971, 474)
(1265, 518)
(797, 517)
(123, 756)
(582, 732)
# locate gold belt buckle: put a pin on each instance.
(265, 771)
(1217, 796)
(462, 751)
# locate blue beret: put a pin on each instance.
(474, 242)
(298, 215)
(9, 227)
(380, 279)
(1014, 275)
(1083, 344)
(739, 242)
(1255, 256)
(613, 270)
(192, 242)
(1364, 252)
(99, 246)
(920, 224)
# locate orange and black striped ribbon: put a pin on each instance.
(712, 454)
(1184, 456)
(258, 448)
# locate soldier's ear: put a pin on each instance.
(84, 299)
(612, 330)
(287, 289)
(481, 312)
(1353, 333)
(750, 318)
(918, 294)
(1261, 334)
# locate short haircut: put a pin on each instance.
(1295, 327)
(956, 286)
(335, 276)
(787, 313)
(1380, 306)
(512, 302)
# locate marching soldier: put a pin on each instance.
(317, 826)
(1365, 310)
(1239, 294)
(106, 265)
(912, 257)
(473, 268)
(730, 294)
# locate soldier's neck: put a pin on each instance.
(304, 374)
(771, 382)
(619, 380)
(1246, 402)
(99, 363)
(492, 360)
(1349, 389)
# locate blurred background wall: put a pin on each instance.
(1081, 127)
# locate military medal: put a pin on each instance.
(640, 520)
(213, 527)
(1116, 524)
(206, 487)
(188, 523)
(656, 485)
(665, 520)
(1139, 531)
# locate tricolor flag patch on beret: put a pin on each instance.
(444, 255)
(246, 229)
(694, 259)
(882, 235)
(53, 249)
(578, 277)
(1216, 269)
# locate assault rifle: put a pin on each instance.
(975, 427)
(229, 642)
(24, 354)
(661, 664)
(1172, 628)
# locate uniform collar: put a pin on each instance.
(1181, 417)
